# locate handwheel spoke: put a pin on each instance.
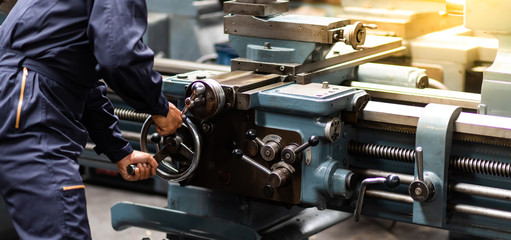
(186, 152)
(168, 166)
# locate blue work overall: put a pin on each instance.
(52, 53)
(41, 138)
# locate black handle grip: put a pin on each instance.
(131, 169)
(238, 153)
(392, 181)
(251, 134)
(313, 141)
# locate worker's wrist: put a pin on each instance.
(118, 155)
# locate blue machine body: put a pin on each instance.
(302, 145)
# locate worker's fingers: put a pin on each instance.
(170, 123)
(146, 166)
(145, 171)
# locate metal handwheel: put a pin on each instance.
(179, 153)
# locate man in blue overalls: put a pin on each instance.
(52, 53)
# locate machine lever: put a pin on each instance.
(391, 181)
(238, 153)
(198, 89)
(292, 152)
(421, 189)
(252, 135)
(419, 162)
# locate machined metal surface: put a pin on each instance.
(286, 27)
(424, 96)
(375, 48)
(481, 211)
(396, 197)
(467, 123)
(256, 9)
(483, 191)
(242, 81)
(174, 66)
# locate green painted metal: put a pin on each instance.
(434, 135)
(126, 214)
(308, 100)
(278, 51)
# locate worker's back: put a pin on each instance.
(53, 33)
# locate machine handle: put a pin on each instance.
(155, 138)
(238, 153)
(419, 162)
(391, 181)
(312, 142)
(421, 189)
(252, 135)
(291, 152)
(198, 89)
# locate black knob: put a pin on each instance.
(313, 141)
(155, 138)
(392, 181)
(268, 191)
(238, 153)
(251, 134)
(131, 169)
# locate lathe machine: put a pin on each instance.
(298, 130)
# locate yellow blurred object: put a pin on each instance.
(455, 7)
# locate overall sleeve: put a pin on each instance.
(125, 63)
(101, 123)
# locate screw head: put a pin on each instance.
(418, 191)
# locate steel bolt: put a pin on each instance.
(267, 153)
(418, 191)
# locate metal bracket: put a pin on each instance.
(434, 135)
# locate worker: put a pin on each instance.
(52, 53)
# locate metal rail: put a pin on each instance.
(459, 208)
(463, 188)
(467, 123)
(173, 66)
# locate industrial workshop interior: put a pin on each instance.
(316, 119)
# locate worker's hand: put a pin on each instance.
(146, 166)
(168, 125)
